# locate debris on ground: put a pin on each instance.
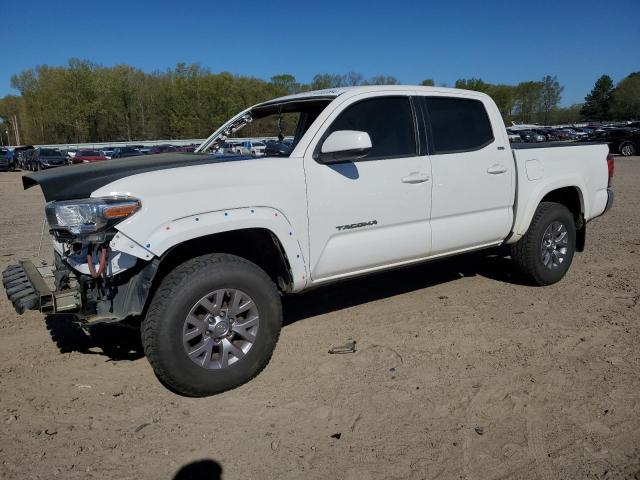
(349, 347)
(140, 427)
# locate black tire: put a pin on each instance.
(527, 253)
(628, 149)
(180, 290)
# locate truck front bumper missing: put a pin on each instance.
(27, 290)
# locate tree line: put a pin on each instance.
(86, 102)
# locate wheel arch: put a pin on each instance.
(240, 231)
(260, 246)
(569, 195)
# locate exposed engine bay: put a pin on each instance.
(93, 280)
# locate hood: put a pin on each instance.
(80, 181)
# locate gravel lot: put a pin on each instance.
(459, 373)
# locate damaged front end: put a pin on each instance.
(93, 278)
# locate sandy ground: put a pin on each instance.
(459, 373)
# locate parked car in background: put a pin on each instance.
(513, 136)
(578, 133)
(161, 149)
(547, 133)
(19, 154)
(566, 133)
(89, 156)
(47, 158)
(530, 136)
(122, 152)
(254, 147)
(232, 148)
(186, 148)
(108, 151)
(25, 158)
(7, 163)
(625, 141)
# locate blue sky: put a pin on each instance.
(498, 41)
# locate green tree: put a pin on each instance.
(428, 82)
(527, 98)
(569, 115)
(382, 80)
(472, 84)
(625, 102)
(505, 97)
(353, 79)
(286, 82)
(598, 102)
(322, 81)
(11, 108)
(550, 95)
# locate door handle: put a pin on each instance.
(416, 177)
(496, 169)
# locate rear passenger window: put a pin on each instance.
(458, 124)
(387, 120)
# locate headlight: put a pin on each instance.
(84, 217)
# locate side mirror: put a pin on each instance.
(344, 145)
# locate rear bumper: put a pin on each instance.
(609, 200)
(27, 290)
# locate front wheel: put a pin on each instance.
(212, 325)
(545, 252)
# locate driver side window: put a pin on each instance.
(387, 120)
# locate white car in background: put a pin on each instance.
(513, 136)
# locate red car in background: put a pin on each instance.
(88, 156)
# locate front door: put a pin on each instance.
(372, 212)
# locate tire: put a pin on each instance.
(178, 311)
(627, 149)
(536, 260)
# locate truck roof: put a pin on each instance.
(331, 93)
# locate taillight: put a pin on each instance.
(610, 167)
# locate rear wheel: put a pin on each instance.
(212, 325)
(545, 252)
(628, 149)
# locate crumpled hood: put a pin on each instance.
(80, 181)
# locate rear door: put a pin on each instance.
(374, 211)
(473, 173)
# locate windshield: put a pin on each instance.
(276, 126)
(89, 153)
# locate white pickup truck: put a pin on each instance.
(200, 247)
